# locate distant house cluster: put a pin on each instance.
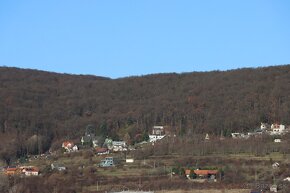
(109, 145)
(273, 129)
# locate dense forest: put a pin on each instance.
(60, 106)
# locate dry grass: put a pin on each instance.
(206, 191)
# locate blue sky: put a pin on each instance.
(137, 37)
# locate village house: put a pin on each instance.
(115, 146)
(12, 170)
(274, 188)
(101, 150)
(210, 175)
(158, 133)
(119, 146)
(67, 145)
(129, 159)
(57, 166)
(107, 162)
(30, 171)
(207, 174)
(277, 129)
(275, 165)
(239, 136)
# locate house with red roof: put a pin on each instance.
(69, 146)
(30, 171)
(12, 171)
(202, 174)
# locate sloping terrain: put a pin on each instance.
(62, 105)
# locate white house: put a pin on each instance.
(275, 165)
(274, 188)
(239, 136)
(67, 145)
(277, 129)
(56, 166)
(158, 133)
(158, 130)
(154, 138)
(75, 148)
(119, 146)
(30, 171)
(129, 160)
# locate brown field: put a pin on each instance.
(206, 191)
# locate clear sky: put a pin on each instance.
(136, 37)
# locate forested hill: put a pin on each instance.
(62, 105)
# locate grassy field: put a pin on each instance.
(156, 171)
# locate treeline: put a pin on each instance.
(60, 106)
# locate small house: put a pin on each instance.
(274, 188)
(119, 146)
(158, 133)
(158, 130)
(210, 175)
(129, 160)
(101, 150)
(107, 162)
(13, 170)
(30, 171)
(154, 138)
(239, 136)
(75, 148)
(67, 145)
(277, 129)
(275, 165)
(57, 166)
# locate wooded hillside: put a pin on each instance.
(62, 105)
